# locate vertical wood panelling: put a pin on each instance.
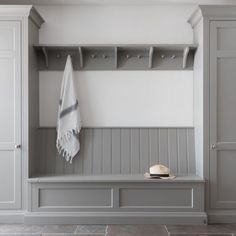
(69, 168)
(120, 151)
(97, 152)
(59, 164)
(173, 150)
(88, 151)
(125, 151)
(135, 154)
(107, 151)
(153, 146)
(144, 150)
(57, 160)
(50, 153)
(78, 160)
(191, 151)
(116, 151)
(163, 147)
(42, 150)
(182, 146)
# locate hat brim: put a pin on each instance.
(148, 176)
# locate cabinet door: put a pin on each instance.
(10, 115)
(223, 114)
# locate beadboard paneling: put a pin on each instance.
(120, 151)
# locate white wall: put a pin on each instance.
(147, 99)
(117, 25)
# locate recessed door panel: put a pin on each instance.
(226, 99)
(7, 101)
(10, 115)
(226, 176)
(7, 174)
(222, 114)
(6, 37)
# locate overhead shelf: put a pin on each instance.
(117, 57)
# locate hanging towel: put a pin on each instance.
(69, 122)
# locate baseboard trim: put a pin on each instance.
(219, 216)
(105, 218)
(11, 217)
(116, 218)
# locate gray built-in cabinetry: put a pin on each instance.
(105, 184)
(215, 32)
(222, 114)
(10, 125)
(18, 28)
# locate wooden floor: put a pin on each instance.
(118, 230)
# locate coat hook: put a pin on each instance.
(127, 56)
(70, 54)
(162, 56)
(173, 56)
(93, 56)
(104, 56)
(139, 56)
(58, 56)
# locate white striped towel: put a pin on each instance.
(69, 121)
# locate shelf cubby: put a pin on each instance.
(117, 57)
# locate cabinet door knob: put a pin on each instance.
(213, 146)
(17, 146)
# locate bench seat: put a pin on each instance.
(115, 199)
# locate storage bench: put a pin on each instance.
(115, 199)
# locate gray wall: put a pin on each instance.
(120, 151)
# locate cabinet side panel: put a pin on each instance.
(33, 96)
(198, 97)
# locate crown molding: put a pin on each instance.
(15, 10)
(22, 11)
(211, 11)
(195, 17)
(218, 10)
(36, 17)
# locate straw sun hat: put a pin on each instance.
(159, 172)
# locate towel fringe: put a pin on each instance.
(64, 139)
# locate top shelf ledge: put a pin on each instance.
(117, 57)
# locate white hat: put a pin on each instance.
(159, 171)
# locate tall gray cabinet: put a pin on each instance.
(10, 125)
(18, 31)
(215, 77)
